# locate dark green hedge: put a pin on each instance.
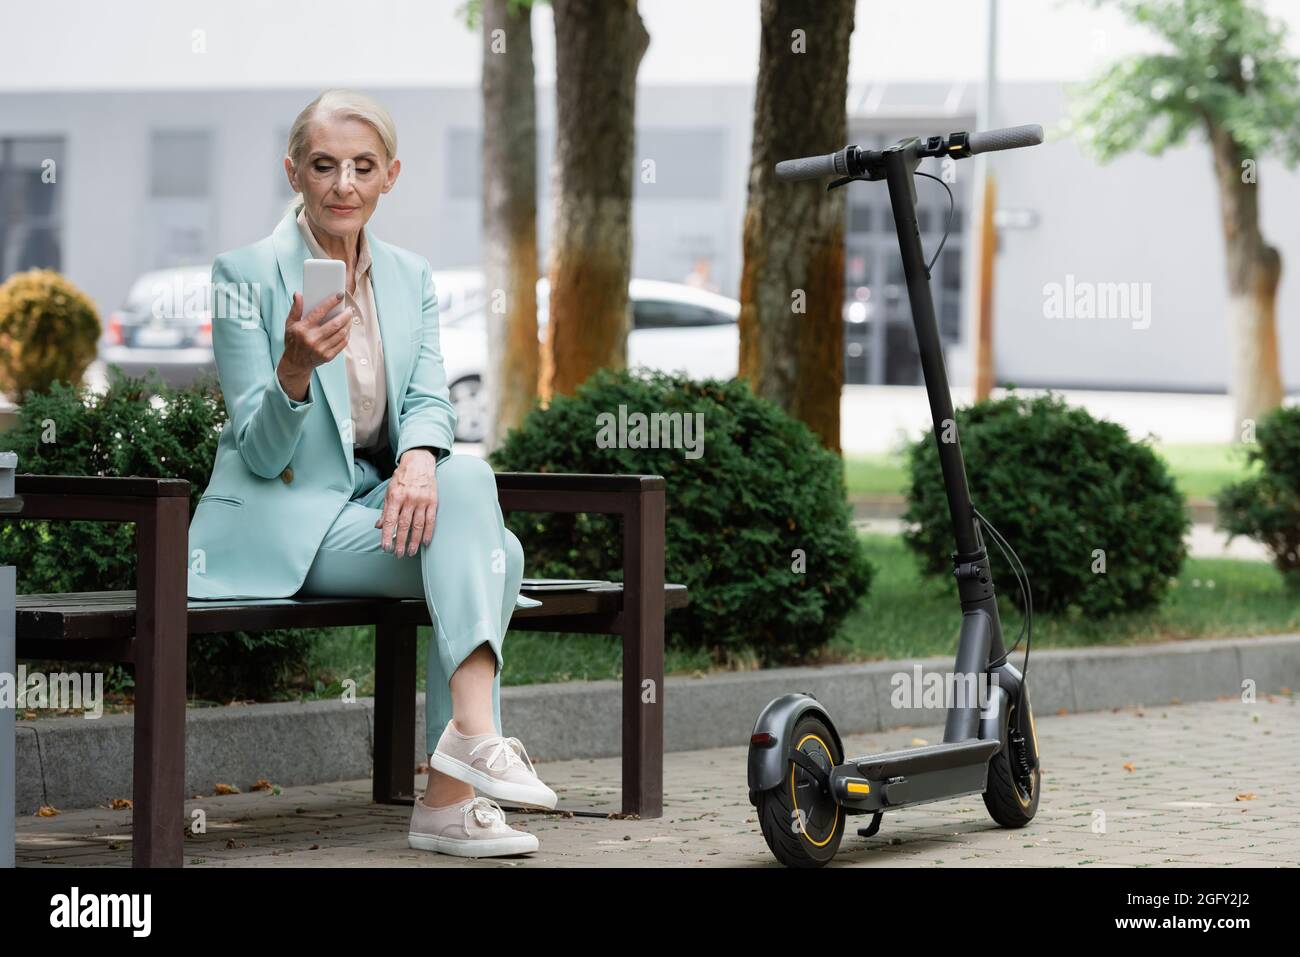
(1062, 487)
(761, 489)
(70, 431)
(1266, 506)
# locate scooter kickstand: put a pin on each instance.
(870, 830)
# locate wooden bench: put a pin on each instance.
(147, 627)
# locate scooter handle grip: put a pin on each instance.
(811, 167)
(1007, 138)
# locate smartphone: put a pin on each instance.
(323, 279)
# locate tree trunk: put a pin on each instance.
(985, 380)
(792, 286)
(598, 48)
(1254, 270)
(509, 215)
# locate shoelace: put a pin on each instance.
(509, 748)
(486, 812)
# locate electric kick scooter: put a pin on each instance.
(799, 779)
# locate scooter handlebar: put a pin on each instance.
(1007, 138)
(839, 162)
(810, 167)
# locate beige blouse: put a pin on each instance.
(364, 353)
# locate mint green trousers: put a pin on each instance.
(469, 574)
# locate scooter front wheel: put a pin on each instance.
(1011, 796)
(802, 824)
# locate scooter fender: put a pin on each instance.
(993, 722)
(993, 719)
(767, 763)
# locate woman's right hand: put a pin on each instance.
(309, 343)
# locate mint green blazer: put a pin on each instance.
(285, 469)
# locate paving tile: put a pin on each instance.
(1177, 807)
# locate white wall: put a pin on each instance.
(1137, 220)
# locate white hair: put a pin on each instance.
(347, 104)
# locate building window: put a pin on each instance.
(879, 338)
(30, 204)
(464, 154)
(464, 163)
(180, 197)
(688, 163)
(181, 163)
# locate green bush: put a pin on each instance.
(1266, 506)
(71, 431)
(1068, 492)
(737, 514)
(48, 332)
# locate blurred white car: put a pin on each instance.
(675, 328)
(165, 323)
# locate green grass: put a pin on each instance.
(530, 658)
(875, 474)
(904, 616)
(1200, 470)
(907, 616)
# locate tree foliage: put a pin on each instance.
(1225, 62)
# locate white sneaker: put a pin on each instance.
(495, 765)
(473, 828)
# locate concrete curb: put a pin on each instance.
(74, 763)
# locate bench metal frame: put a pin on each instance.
(150, 627)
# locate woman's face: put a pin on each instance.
(342, 174)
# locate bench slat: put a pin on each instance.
(111, 614)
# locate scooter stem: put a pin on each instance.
(900, 162)
(970, 561)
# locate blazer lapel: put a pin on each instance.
(395, 328)
(291, 252)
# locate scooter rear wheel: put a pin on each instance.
(802, 825)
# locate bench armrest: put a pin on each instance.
(576, 491)
(159, 509)
(94, 498)
(639, 499)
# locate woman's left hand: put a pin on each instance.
(410, 503)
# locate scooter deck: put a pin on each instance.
(930, 757)
(933, 772)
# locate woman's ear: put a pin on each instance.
(290, 173)
(394, 168)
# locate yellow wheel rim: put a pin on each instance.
(793, 800)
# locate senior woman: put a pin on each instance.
(334, 474)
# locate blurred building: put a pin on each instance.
(152, 177)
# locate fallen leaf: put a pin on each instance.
(46, 811)
(225, 789)
(1129, 767)
(1246, 796)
